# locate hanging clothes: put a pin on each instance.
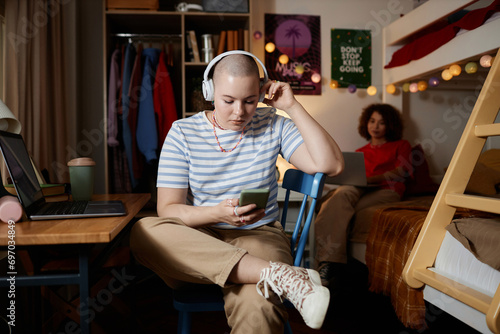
(130, 54)
(147, 137)
(164, 99)
(120, 180)
(114, 90)
(135, 93)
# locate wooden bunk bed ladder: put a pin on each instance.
(450, 196)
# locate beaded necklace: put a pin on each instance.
(214, 122)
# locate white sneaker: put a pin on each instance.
(302, 287)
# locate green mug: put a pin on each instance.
(81, 174)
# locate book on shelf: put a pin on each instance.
(246, 40)
(241, 40)
(190, 56)
(48, 189)
(222, 42)
(194, 45)
(230, 40)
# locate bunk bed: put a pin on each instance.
(417, 240)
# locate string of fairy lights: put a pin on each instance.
(447, 74)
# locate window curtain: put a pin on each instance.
(40, 84)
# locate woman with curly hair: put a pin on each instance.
(387, 158)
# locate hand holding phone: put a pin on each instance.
(254, 196)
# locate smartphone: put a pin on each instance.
(254, 196)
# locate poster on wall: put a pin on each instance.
(351, 57)
(293, 51)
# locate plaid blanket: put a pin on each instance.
(393, 233)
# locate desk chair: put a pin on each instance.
(210, 299)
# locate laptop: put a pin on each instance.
(354, 173)
(30, 194)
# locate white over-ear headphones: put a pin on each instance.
(208, 84)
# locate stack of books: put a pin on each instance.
(52, 192)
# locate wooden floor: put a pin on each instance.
(144, 306)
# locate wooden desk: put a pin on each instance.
(80, 233)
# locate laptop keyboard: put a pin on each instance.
(66, 208)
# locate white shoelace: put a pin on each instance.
(285, 281)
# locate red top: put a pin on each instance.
(386, 157)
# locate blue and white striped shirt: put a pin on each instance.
(191, 158)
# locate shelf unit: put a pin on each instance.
(170, 27)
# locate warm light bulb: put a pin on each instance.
(283, 59)
(406, 87)
(433, 82)
(414, 87)
(446, 74)
(316, 78)
(270, 47)
(299, 69)
(391, 89)
(334, 84)
(471, 67)
(422, 85)
(485, 61)
(257, 34)
(372, 90)
(455, 70)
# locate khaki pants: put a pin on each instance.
(180, 254)
(336, 210)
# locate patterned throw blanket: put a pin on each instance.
(393, 233)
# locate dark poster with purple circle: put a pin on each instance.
(298, 39)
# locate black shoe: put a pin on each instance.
(326, 272)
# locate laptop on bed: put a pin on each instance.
(354, 173)
(30, 194)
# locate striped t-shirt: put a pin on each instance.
(191, 158)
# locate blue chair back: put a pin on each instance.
(312, 187)
(187, 302)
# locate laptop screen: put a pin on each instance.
(20, 169)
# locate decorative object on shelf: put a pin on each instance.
(133, 4)
(186, 7)
(226, 6)
(471, 67)
(351, 57)
(293, 51)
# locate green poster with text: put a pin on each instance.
(351, 57)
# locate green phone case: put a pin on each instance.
(254, 196)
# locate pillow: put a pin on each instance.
(491, 158)
(420, 183)
(483, 180)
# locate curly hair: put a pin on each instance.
(392, 119)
